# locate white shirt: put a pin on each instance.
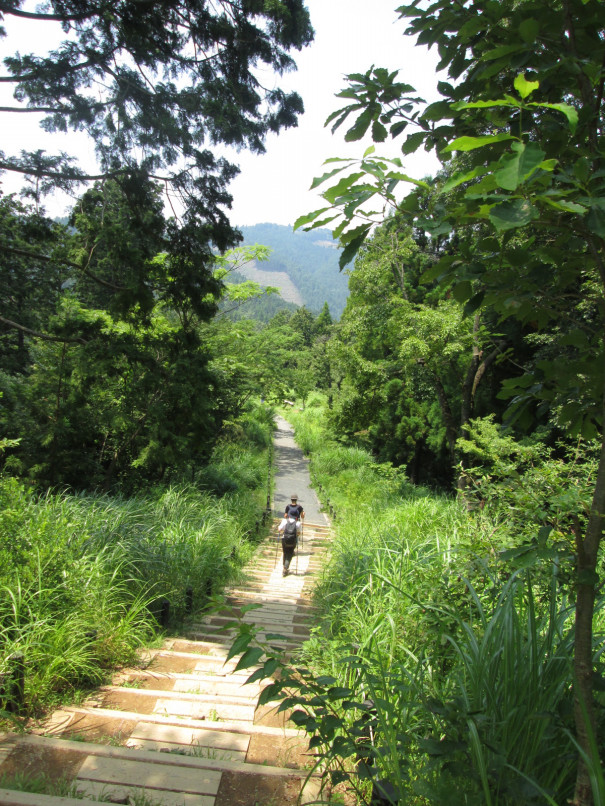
(284, 521)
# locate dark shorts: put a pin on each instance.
(288, 551)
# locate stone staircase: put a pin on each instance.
(184, 730)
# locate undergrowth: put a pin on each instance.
(84, 578)
(441, 671)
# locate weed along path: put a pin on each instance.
(183, 729)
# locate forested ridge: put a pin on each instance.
(453, 411)
(310, 260)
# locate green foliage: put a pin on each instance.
(544, 494)
(83, 576)
(437, 669)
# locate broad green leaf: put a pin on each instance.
(437, 111)
(352, 234)
(269, 693)
(368, 151)
(322, 223)
(462, 291)
(562, 205)
(512, 214)
(460, 178)
(265, 671)
(581, 169)
(239, 645)
(351, 249)
(437, 228)
(343, 111)
(308, 217)
(485, 104)
(569, 111)
(398, 127)
(379, 133)
(360, 127)
(412, 142)
(502, 50)
(249, 658)
(519, 166)
(405, 178)
(320, 179)
(525, 87)
(471, 143)
(474, 303)
(332, 194)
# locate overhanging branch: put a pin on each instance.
(37, 335)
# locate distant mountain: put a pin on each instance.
(304, 265)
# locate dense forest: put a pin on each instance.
(452, 405)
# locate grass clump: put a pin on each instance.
(83, 577)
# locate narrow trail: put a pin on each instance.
(183, 729)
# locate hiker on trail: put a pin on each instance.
(289, 527)
(295, 509)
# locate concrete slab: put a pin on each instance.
(150, 776)
(120, 794)
(172, 734)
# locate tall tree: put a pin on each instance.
(155, 85)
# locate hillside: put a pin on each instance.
(304, 265)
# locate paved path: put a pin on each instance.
(216, 748)
(292, 475)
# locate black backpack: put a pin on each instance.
(290, 533)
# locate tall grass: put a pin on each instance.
(468, 666)
(83, 577)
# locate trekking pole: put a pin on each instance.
(302, 534)
(297, 558)
(276, 545)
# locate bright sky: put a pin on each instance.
(350, 36)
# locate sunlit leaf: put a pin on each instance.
(525, 87)
(309, 217)
(471, 143)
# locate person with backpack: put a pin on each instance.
(289, 527)
(295, 509)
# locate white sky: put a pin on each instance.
(350, 36)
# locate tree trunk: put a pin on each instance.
(587, 550)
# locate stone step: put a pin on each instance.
(299, 608)
(121, 793)
(206, 771)
(158, 719)
(150, 775)
(288, 639)
(184, 695)
(199, 742)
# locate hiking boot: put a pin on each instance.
(284, 573)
